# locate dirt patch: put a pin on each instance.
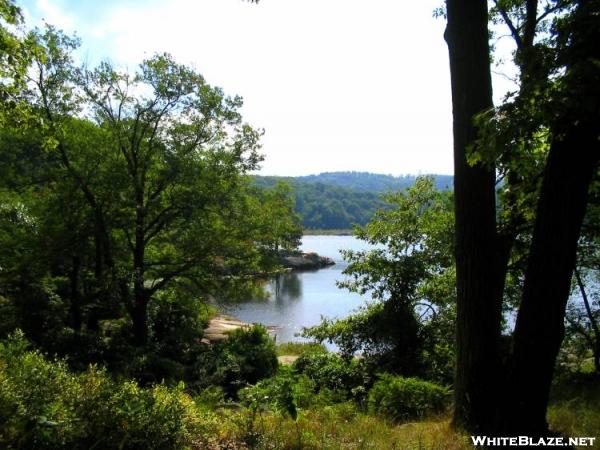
(220, 326)
(287, 360)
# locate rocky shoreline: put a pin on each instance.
(221, 325)
(305, 261)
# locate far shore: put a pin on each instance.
(332, 232)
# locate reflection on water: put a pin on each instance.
(287, 286)
(299, 299)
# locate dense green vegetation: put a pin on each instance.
(411, 278)
(340, 200)
(126, 204)
(45, 405)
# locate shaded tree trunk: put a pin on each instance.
(478, 286)
(75, 309)
(539, 329)
(481, 256)
(140, 322)
(570, 167)
(140, 300)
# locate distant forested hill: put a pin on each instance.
(337, 200)
(372, 182)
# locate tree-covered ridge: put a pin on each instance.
(360, 181)
(374, 182)
(339, 200)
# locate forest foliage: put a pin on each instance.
(127, 202)
(340, 200)
(125, 205)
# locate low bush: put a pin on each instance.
(254, 351)
(331, 371)
(406, 398)
(246, 357)
(276, 393)
(44, 405)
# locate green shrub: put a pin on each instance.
(275, 393)
(331, 371)
(406, 398)
(148, 367)
(247, 356)
(44, 405)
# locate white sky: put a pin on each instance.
(336, 84)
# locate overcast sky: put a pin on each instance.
(336, 84)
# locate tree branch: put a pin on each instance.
(511, 26)
(586, 303)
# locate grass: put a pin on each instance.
(574, 412)
(339, 427)
(574, 409)
(575, 418)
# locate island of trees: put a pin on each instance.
(127, 204)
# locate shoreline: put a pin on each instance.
(327, 232)
(220, 325)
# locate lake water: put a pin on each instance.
(299, 299)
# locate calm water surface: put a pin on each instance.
(299, 299)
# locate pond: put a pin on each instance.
(299, 299)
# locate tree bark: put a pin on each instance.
(478, 286)
(140, 309)
(140, 315)
(75, 309)
(140, 322)
(539, 329)
(571, 164)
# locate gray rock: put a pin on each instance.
(306, 261)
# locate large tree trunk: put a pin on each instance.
(478, 286)
(571, 164)
(539, 329)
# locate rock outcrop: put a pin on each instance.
(221, 325)
(306, 261)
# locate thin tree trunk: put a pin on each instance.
(478, 299)
(75, 309)
(593, 322)
(140, 316)
(140, 322)
(140, 306)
